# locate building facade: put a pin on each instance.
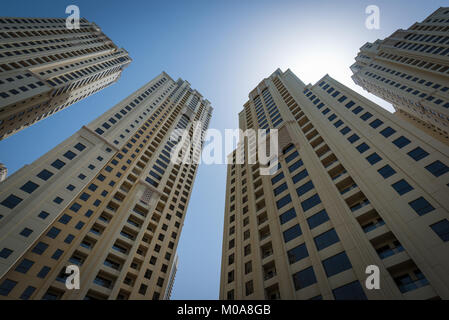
(410, 69)
(354, 186)
(45, 67)
(171, 278)
(109, 200)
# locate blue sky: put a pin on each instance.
(224, 49)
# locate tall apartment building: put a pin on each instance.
(410, 69)
(45, 67)
(109, 199)
(354, 186)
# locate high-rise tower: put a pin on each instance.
(410, 69)
(354, 187)
(45, 67)
(109, 199)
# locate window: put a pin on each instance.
(304, 278)
(45, 174)
(40, 248)
(345, 130)
(79, 225)
(24, 266)
(43, 215)
(43, 273)
(80, 147)
(53, 232)
(280, 189)
(11, 202)
(277, 178)
(297, 253)
(353, 138)
(69, 238)
(317, 219)
(65, 219)
(350, 291)
(84, 196)
(29, 187)
(386, 171)
(70, 187)
(362, 147)
(388, 131)
(58, 164)
(58, 200)
(57, 254)
(374, 158)
(421, 206)
(401, 142)
(437, 168)
(326, 239)
(376, 123)
(336, 264)
(418, 153)
(304, 188)
(349, 104)
(27, 293)
(248, 267)
(26, 232)
(75, 207)
(288, 148)
(295, 166)
(7, 286)
(287, 215)
(292, 233)
(402, 187)
(310, 202)
(249, 288)
(357, 110)
(441, 228)
(283, 201)
(366, 116)
(230, 276)
(301, 175)
(5, 253)
(291, 157)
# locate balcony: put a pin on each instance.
(406, 283)
(359, 205)
(347, 189)
(269, 271)
(264, 233)
(388, 251)
(266, 250)
(261, 218)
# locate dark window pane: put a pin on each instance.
(350, 291)
(297, 253)
(287, 215)
(336, 264)
(304, 278)
(326, 239)
(421, 206)
(292, 233)
(317, 219)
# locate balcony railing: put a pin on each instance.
(270, 274)
(372, 226)
(360, 205)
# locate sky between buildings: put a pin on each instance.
(224, 48)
